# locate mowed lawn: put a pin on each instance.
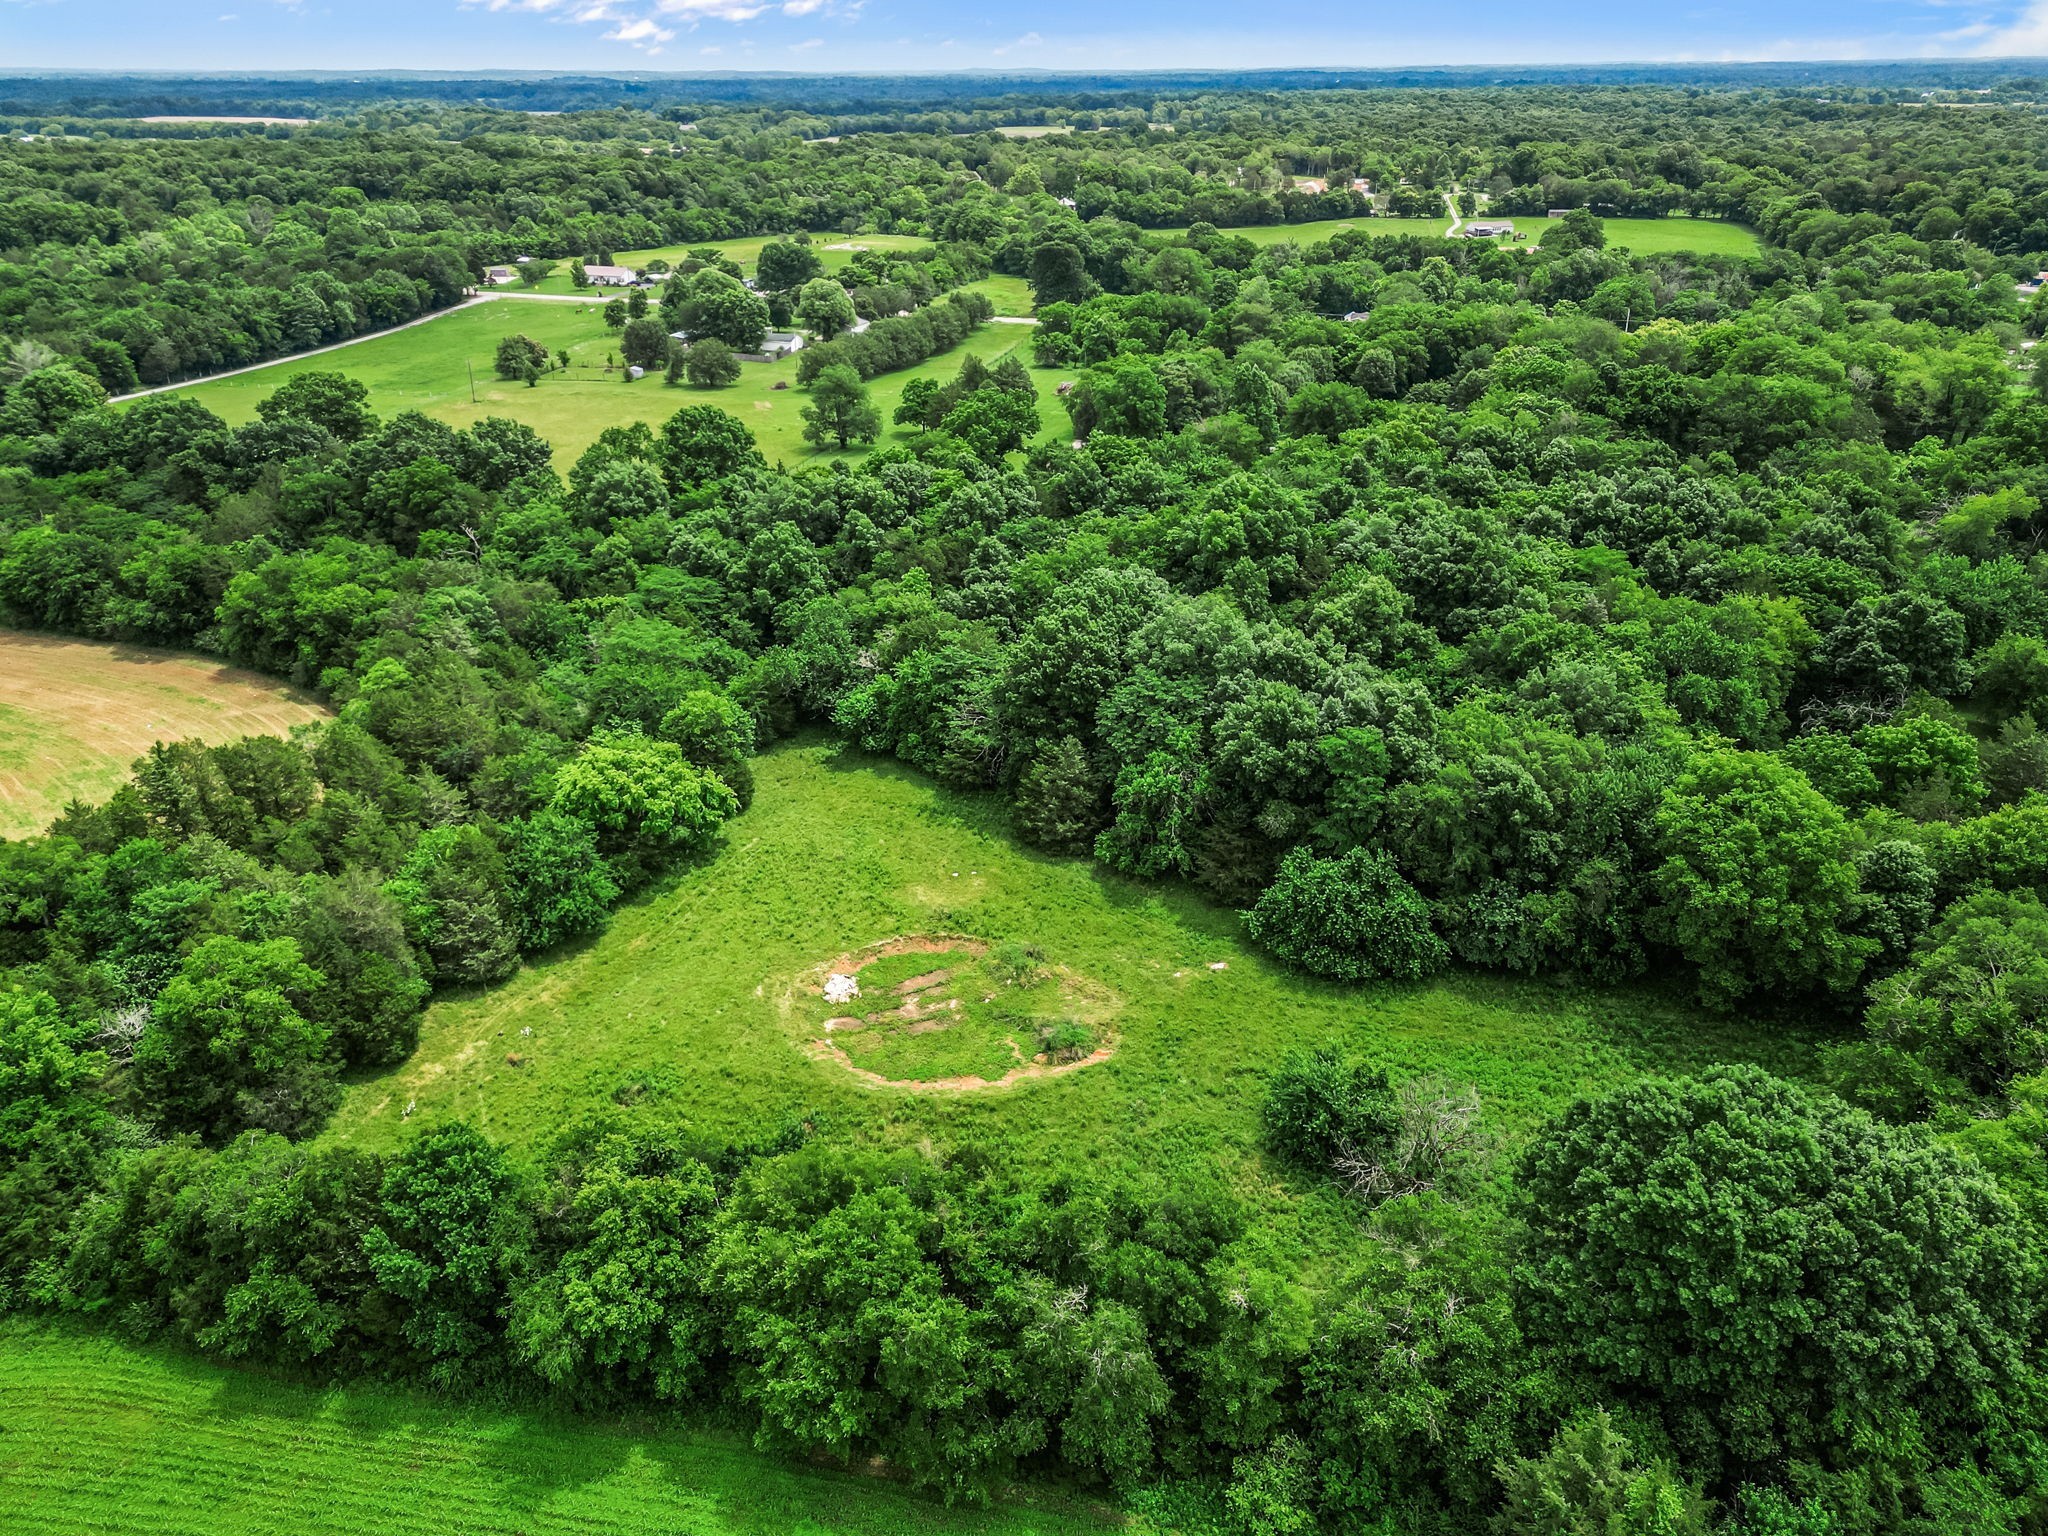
(75, 714)
(116, 1439)
(687, 1010)
(430, 368)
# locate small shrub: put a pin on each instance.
(1063, 1040)
(1321, 1106)
(1016, 965)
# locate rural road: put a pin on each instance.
(1451, 207)
(392, 330)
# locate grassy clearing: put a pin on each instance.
(686, 1010)
(428, 368)
(75, 715)
(121, 1440)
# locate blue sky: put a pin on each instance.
(905, 35)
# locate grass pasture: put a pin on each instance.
(428, 368)
(686, 1011)
(75, 714)
(1645, 237)
(118, 1439)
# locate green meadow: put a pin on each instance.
(699, 1008)
(1713, 237)
(118, 1439)
(443, 368)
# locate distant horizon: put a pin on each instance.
(914, 37)
(512, 71)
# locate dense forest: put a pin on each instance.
(1554, 610)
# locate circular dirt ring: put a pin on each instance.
(950, 1013)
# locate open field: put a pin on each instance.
(692, 1009)
(74, 715)
(123, 1440)
(835, 250)
(1644, 236)
(427, 368)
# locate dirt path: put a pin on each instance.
(1451, 207)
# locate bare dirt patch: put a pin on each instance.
(979, 1011)
(75, 714)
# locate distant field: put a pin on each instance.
(834, 250)
(694, 1008)
(74, 715)
(1714, 237)
(123, 1440)
(428, 368)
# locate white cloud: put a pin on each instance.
(802, 7)
(1028, 40)
(809, 42)
(2025, 35)
(639, 32)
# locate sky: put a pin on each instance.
(898, 36)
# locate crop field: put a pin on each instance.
(116, 1439)
(429, 368)
(75, 714)
(698, 1007)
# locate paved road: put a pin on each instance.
(1457, 218)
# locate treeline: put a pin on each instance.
(899, 341)
(155, 260)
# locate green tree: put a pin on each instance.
(1059, 799)
(1579, 230)
(578, 278)
(1352, 917)
(711, 303)
(228, 1046)
(787, 264)
(701, 443)
(1735, 1252)
(839, 411)
(644, 344)
(714, 733)
(446, 1244)
(1963, 1018)
(534, 273)
(824, 308)
(451, 889)
(333, 402)
(521, 358)
(558, 884)
(1589, 1484)
(615, 315)
(645, 798)
(620, 1297)
(710, 364)
(1756, 884)
(914, 409)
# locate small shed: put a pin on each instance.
(1489, 229)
